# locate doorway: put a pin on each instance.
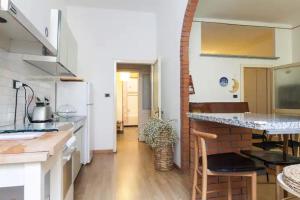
(128, 95)
(258, 89)
(136, 88)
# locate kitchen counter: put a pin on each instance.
(74, 119)
(35, 150)
(28, 163)
(30, 127)
(271, 123)
(58, 124)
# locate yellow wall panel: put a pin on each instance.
(237, 40)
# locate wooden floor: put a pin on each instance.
(129, 175)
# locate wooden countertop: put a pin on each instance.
(35, 150)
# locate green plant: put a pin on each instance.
(159, 133)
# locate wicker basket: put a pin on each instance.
(163, 156)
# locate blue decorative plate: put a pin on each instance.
(223, 81)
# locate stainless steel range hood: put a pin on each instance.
(15, 26)
(49, 64)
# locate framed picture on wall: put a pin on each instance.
(191, 86)
(223, 81)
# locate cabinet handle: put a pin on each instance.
(12, 8)
(46, 32)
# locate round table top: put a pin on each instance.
(285, 186)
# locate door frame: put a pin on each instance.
(116, 62)
(158, 63)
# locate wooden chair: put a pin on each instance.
(225, 164)
(274, 163)
(268, 144)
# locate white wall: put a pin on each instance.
(296, 44)
(12, 67)
(103, 37)
(170, 18)
(206, 71)
(129, 5)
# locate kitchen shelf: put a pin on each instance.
(236, 56)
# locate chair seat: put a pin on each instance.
(258, 136)
(268, 145)
(231, 162)
(272, 157)
(293, 143)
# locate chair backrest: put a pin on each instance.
(200, 144)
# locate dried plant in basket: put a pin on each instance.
(159, 133)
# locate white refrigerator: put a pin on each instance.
(79, 95)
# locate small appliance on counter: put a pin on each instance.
(42, 112)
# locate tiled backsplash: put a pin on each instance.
(12, 67)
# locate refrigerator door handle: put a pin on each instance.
(90, 104)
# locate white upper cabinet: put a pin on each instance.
(39, 13)
(24, 28)
(65, 63)
(39, 30)
(67, 49)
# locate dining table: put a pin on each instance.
(271, 124)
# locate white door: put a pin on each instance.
(144, 101)
(130, 102)
(156, 89)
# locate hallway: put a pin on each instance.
(129, 175)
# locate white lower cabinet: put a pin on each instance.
(33, 181)
(76, 163)
(47, 187)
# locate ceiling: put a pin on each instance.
(268, 11)
(132, 5)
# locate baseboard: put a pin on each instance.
(176, 166)
(104, 151)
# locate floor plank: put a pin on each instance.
(129, 175)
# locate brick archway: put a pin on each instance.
(184, 86)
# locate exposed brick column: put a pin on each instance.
(184, 87)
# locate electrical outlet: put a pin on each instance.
(17, 84)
